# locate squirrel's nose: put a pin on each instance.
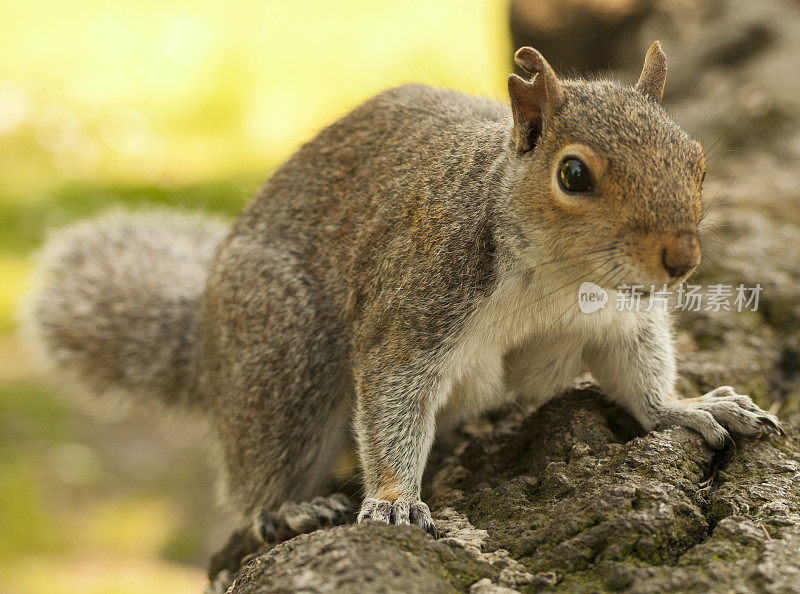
(680, 254)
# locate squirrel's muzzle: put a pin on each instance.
(680, 254)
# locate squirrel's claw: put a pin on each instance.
(771, 425)
(400, 512)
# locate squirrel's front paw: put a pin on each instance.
(399, 512)
(718, 412)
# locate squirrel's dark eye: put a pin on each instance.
(573, 176)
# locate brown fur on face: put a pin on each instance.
(617, 234)
(667, 257)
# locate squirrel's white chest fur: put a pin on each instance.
(525, 342)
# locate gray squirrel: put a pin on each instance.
(414, 264)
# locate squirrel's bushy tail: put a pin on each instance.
(116, 307)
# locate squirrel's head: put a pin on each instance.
(604, 182)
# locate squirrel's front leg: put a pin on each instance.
(636, 369)
(395, 423)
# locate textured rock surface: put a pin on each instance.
(571, 497)
(574, 497)
(366, 558)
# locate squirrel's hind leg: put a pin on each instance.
(281, 390)
(279, 393)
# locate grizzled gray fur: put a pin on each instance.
(417, 262)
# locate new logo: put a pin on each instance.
(591, 297)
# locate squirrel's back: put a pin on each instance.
(406, 176)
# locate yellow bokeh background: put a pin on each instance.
(153, 92)
(185, 104)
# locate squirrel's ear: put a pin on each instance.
(532, 100)
(654, 73)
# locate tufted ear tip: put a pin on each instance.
(532, 99)
(530, 60)
(655, 48)
(545, 78)
(654, 73)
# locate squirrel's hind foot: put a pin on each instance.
(398, 512)
(293, 518)
(270, 529)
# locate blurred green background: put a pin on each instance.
(186, 104)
